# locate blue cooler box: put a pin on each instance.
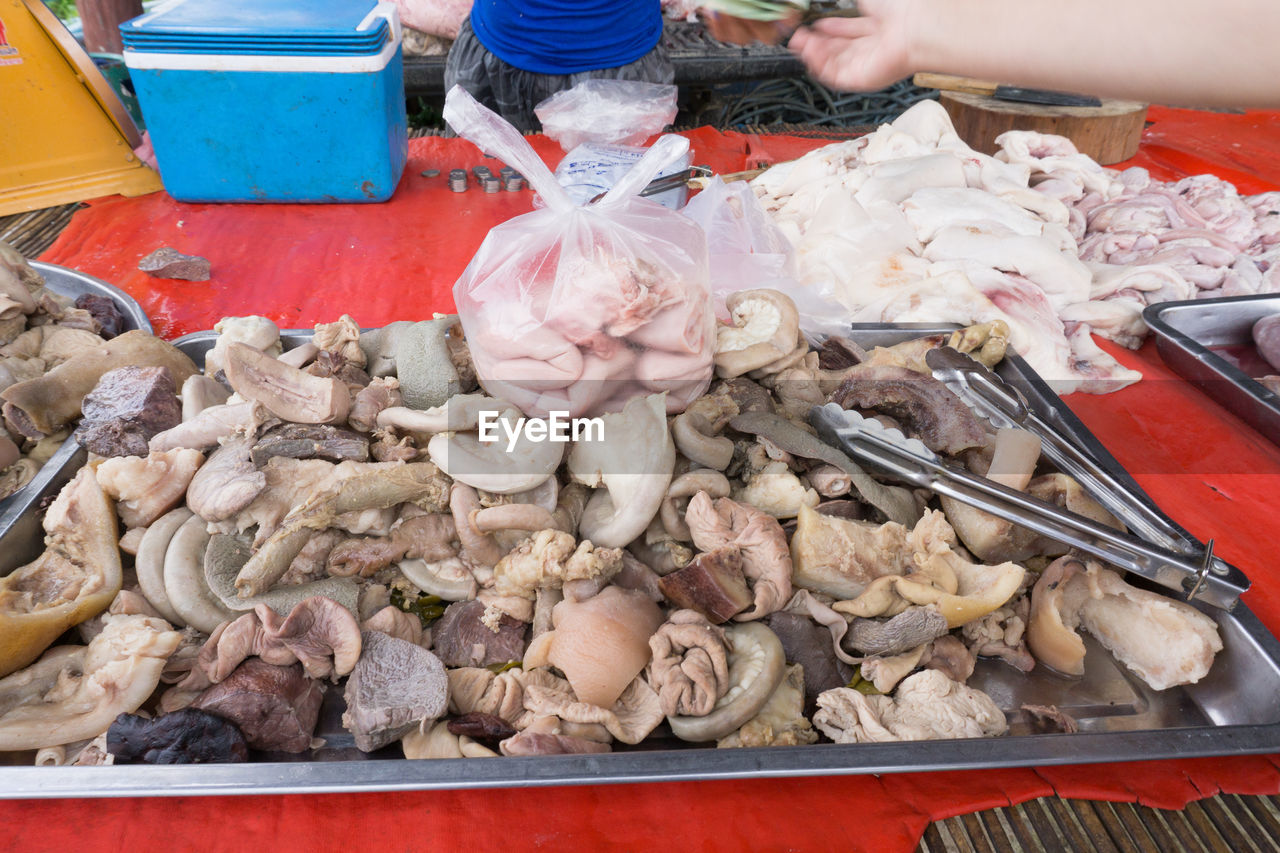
(272, 100)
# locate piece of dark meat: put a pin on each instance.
(837, 353)
(188, 736)
(331, 364)
(747, 395)
(170, 263)
(951, 657)
(310, 441)
(809, 644)
(922, 404)
(487, 729)
(126, 408)
(459, 638)
(104, 312)
(836, 508)
(276, 707)
(637, 575)
(712, 584)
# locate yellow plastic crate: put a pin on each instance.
(64, 135)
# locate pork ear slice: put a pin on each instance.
(1164, 641)
(73, 580)
(600, 644)
(74, 692)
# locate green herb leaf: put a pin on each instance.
(428, 608)
(499, 668)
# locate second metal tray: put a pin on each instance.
(1233, 711)
(1195, 338)
(73, 284)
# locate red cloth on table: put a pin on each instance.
(303, 264)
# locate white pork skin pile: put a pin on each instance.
(910, 224)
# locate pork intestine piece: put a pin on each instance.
(690, 665)
(781, 722)
(145, 488)
(475, 689)
(766, 560)
(74, 579)
(635, 714)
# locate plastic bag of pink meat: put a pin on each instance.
(579, 309)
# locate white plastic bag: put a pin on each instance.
(747, 251)
(593, 168)
(614, 112)
(578, 309)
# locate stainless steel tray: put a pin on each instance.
(1232, 711)
(74, 284)
(1187, 333)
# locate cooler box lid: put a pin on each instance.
(252, 26)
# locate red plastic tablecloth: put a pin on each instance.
(305, 264)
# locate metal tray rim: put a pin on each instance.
(711, 764)
(1168, 335)
(127, 302)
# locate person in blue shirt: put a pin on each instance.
(511, 55)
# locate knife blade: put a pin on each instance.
(1047, 97)
(999, 91)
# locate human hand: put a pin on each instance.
(145, 152)
(859, 54)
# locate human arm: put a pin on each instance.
(1172, 51)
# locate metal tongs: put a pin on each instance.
(1003, 405)
(1202, 577)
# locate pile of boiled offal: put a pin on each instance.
(283, 525)
(910, 224)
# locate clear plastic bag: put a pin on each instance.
(747, 251)
(574, 309)
(593, 168)
(613, 112)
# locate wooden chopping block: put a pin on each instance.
(1109, 133)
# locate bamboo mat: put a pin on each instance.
(1222, 824)
(33, 232)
